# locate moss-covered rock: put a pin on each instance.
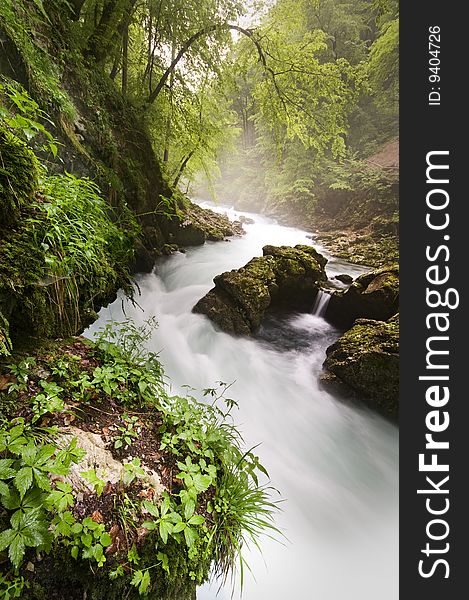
(284, 277)
(62, 261)
(374, 295)
(194, 225)
(366, 358)
(18, 177)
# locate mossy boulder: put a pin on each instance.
(194, 225)
(374, 295)
(18, 177)
(284, 277)
(366, 358)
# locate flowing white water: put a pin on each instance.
(334, 463)
(321, 303)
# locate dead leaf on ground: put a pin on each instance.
(97, 517)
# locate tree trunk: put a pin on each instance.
(170, 113)
(125, 57)
(182, 167)
(206, 31)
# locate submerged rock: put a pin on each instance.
(366, 358)
(374, 295)
(284, 276)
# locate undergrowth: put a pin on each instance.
(64, 253)
(128, 539)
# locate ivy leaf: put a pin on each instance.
(201, 482)
(42, 481)
(165, 529)
(151, 508)
(179, 527)
(11, 500)
(189, 508)
(141, 579)
(29, 454)
(105, 539)
(6, 472)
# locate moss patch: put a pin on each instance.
(19, 171)
(367, 359)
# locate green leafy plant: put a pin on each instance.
(12, 587)
(21, 371)
(24, 116)
(48, 402)
(141, 580)
(26, 491)
(97, 483)
(128, 432)
(89, 541)
(133, 471)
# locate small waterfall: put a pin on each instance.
(320, 305)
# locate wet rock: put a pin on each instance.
(198, 225)
(246, 220)
(344, 278)
(284, 277)
(366, 358)
(374, 295)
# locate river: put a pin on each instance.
(334, 462)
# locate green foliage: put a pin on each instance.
(26, 492)
(89, 541)
(384, 63)
(133, 470)
(128, 432)
(47, 402)
(24, 117)
(92, 477)
(66, 253)
(75, 255)
(12, 587)
(212, 459)
(197, 523)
